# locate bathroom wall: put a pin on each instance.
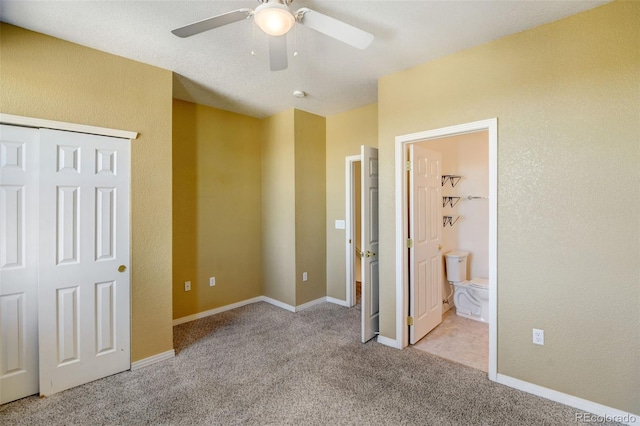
(467, 156)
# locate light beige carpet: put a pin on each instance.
(261, 365)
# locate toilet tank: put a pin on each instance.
(456, 263)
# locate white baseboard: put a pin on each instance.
(266, 299)
(389, 342)
(152, 359)
(210, 312)
(338, 302)
(310, 304)
(278, 303)
(602, 412)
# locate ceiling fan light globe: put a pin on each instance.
(274, 19)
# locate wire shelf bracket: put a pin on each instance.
(449, 220)
(454, 179)
(452, 201)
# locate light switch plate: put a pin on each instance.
(340, 224)
(212, 281)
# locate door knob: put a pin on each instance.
(369, 254)
(122, 268)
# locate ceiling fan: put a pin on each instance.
(275, 18)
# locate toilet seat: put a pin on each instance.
(480, 283)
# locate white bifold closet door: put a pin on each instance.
(82, 249)
(18, 262)
(83, 295)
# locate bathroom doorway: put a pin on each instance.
(464, 218)
(462, 334)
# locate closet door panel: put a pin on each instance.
(84, 259)
(18, 262)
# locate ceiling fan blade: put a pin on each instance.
(333, 28)
(278, 52)
(211, 23)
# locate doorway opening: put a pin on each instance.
(353, 234)
(459, 330)
(421, 285)
(362, 238)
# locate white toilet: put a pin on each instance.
(471, 298)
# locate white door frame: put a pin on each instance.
(350, 233)
(18, 120)
(402, 292)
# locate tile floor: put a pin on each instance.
(456, 338)
(459, 339)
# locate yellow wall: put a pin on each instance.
(310, 228)
(293, 207)
(566, 95)
(48, 78)
(278, 207)
(216, 208)
(345, 133)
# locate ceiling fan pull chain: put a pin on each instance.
(295, 41)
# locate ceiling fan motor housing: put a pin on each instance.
(285, 2)
(274, 17)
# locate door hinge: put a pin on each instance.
(409, 320)
(409, 243)
(409, 166)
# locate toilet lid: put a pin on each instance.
(479, 282)
(457, 253)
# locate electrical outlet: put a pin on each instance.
(538, 336)
(304, 276)
(212, 281)
(187, 286)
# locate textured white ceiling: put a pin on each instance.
(216, 68)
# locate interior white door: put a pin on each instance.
(18, 262)
(84, 258)
(425, 229)
(369, 210)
